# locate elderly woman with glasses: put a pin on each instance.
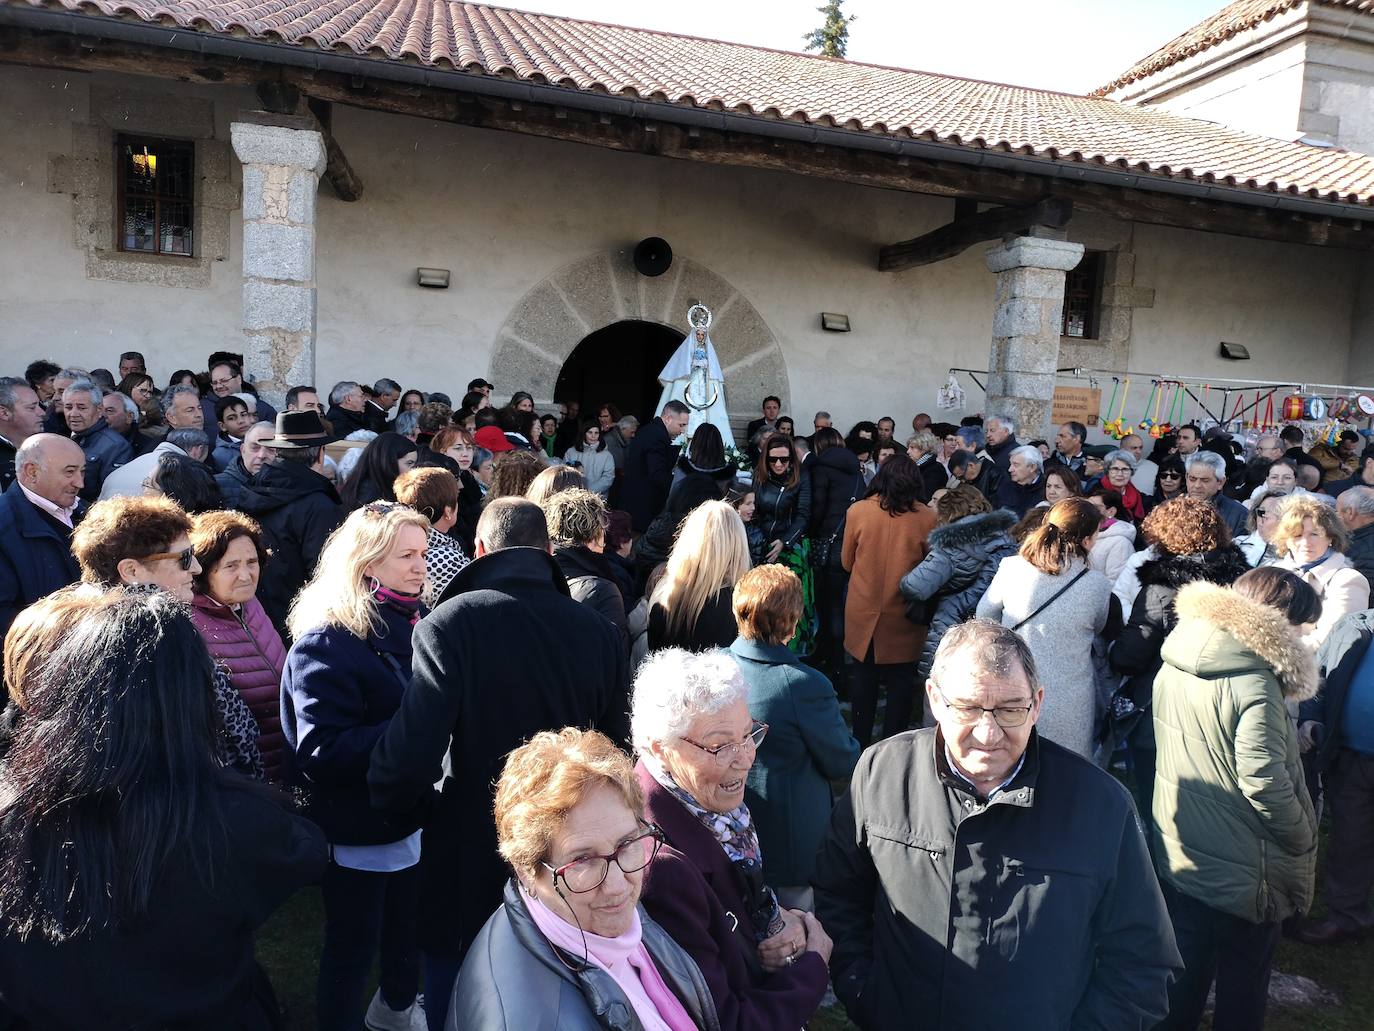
(766, 966)
(1118, 468)
(345, 676)
(571, 949)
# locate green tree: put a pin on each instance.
(832, 38)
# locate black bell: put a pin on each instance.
(653, 256)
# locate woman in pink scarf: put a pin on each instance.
(570, 949)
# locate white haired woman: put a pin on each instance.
(691, 606)
(767, 967)
(570, 940)
(344, 679)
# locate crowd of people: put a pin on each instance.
(552, 710)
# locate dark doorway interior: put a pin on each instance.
(619, 364)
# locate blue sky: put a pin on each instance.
(1070, 45)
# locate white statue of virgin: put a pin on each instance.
(693, 377)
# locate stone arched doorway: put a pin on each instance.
(618, 364)
(592, 293)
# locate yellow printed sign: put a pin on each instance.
(1076, 404)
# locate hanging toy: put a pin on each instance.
(1117, 428)
(1292, 408)
(951, 395)
(1340, 408)
(1331, 433)
(1314, 408)
(1147, 424)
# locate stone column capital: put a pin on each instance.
(1031, 252)
(278, 145)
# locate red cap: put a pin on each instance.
(491, 438)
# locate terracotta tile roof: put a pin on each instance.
(1231, 20)
(656, 66)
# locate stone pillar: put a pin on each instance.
(1026, 327)
(281, 175)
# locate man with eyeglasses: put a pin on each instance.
(978, 875)
(472, 700)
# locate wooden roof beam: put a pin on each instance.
(968, 228)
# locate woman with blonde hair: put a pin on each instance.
(1050, 596)
(344, 679)
(570, 939)
(691, 606)
(1311, 542)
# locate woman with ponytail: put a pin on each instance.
(1059, 606)
(345, 676)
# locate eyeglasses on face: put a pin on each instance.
(726, 753)
(1120, 469)
(779, 460)
(587, 873)
(184, 558)
(1170, 476)
(1007, 717)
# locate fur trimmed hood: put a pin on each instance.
(1222, 565)
(972, 530)
(1255, 629)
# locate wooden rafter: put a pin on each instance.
(969, 228)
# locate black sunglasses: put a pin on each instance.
(184, 558)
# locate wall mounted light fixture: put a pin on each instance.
(432, 277)
(834, 323)
(1236, 352)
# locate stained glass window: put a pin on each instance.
(156, 195)
(1083, 297)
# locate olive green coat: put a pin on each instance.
(1235, 826)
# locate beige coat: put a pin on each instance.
(880, 549)
(1343, 590)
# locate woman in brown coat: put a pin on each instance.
(884, 538)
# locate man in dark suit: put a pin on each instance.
(758, 428)
(21, 416)
(36, 518)
(471, 702)
(649, 465)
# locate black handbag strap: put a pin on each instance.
(1052, 599)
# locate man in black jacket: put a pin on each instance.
(977, 875)
(1024, 486)
(649, 465)
(21, 416)
(1355, 506)
(297, 507)
(347, 409)
(505, 654)
(1363, 478)
(37, 512)
(979, 473)
(1337, 729)
(1001, 439)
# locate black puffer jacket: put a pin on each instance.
(962, 560)
(782, 513)
(298, 509)
(1135, 653)
(592, 582)
(836, 483)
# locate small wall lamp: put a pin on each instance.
(1237, 352)
(834, 323)
(432, 277)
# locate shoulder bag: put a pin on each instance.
(1052, 599)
